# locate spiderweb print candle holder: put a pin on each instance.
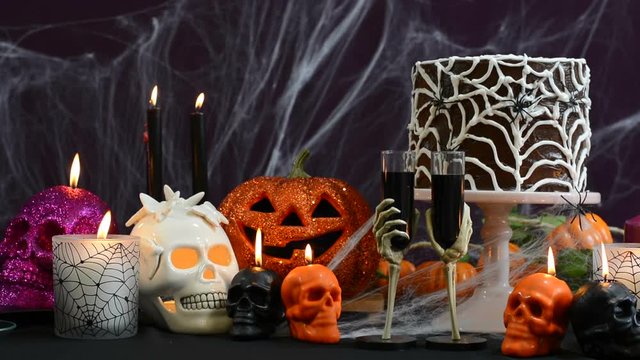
(623, 261)
(95, 283)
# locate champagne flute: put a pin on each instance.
(447, 195)
(398, 174)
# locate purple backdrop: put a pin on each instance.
(333, 76)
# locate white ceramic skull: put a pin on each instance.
(187, 263)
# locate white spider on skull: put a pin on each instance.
(187, 263)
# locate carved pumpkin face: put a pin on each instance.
(293, 212)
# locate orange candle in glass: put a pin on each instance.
(537, 314)
(313, 301)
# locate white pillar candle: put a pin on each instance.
(95, 285)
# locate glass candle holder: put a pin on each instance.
(623, 260)
(95, 285)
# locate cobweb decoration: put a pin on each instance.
(624, 267)
(96, 289)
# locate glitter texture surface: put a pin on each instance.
(25, 252)
(323, 212)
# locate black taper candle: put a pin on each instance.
(154, 160)
(199, 157)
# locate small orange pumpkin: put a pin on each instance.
(582, 231)
(433, 277)
(296, 211)
(406, 280)
(406, 268)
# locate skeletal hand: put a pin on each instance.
(385, 229)
(461, 245)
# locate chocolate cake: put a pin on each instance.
(523, 122)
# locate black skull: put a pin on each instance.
(605, 321)
(254, 303)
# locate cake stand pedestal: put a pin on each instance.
(483, 312)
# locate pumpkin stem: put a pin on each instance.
(297, 170)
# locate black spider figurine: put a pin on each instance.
(573, 102)
(579, 208)
(520, 106)
(439, 102)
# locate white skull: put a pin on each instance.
(187, 264)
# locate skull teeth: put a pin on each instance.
(213, 300)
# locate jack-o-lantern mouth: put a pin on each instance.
(320, 244)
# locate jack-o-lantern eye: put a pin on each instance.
(219, 254)
(325, 210)
(263, 205)
(184, 258)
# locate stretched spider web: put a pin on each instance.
(623, 267)
(96, 289)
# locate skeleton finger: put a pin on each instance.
(438, 249)
(385, 203)
(384, 217)
(389, 225)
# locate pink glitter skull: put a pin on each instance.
(26, 260)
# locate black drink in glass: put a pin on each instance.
(399, 187)
(448, 203)
(447, 195)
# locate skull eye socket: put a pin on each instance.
(45, 232)
(623, 309)
(235, 294)
(184, 258)
(316, 294)
(535, 308)
(258, 296)
(325, 210)
(17, 230)
(514, 302)
(219, 254)
(264, 206)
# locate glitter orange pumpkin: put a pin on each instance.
(300, 210)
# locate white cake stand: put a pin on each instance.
(483, 312)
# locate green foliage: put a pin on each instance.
(574, 267)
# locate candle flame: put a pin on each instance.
(74, 174)
(258, 248)
(551, 263)
(308, 254)
(199, 101)
(605, 263)
(154, 96)
(103, 229)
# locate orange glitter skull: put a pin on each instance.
(536, 316)
(313, 301)
(299, 210)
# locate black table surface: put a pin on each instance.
(34, 339)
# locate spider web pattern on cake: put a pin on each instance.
(96, 289)
(456, 100)
(623, 267)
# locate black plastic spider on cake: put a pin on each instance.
(439, 102)
(579, 208)
(521, 106)
(573, 102)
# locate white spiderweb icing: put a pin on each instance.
(538, 109)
